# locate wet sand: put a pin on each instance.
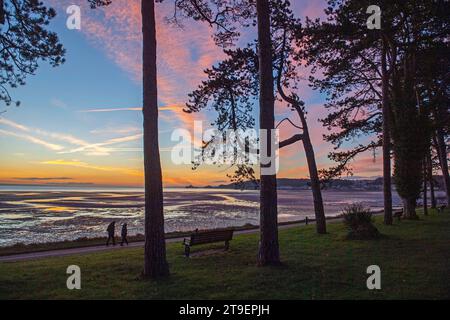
(45, 216)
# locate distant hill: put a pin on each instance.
(345, 184)
(304, 184)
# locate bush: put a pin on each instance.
(359, 221)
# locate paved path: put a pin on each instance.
(101, 248)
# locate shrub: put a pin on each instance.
(358, 219)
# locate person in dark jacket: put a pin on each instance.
(124, 234)
(111, 233)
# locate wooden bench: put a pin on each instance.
(204, 237)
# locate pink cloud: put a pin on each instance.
(311, 8)
(183, 54)
(367, 165)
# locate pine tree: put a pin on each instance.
(233, 85)
(24, 41)
(155, 264)
(350, 56)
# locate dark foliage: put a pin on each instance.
(232, 86)
(358, 219)
(349, 55)
(24, 41)
(226, 16)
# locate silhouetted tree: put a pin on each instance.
(2, 12)
(431, 180)
(24, 41)
(230, 89)
(418, 87)
(441, 147)
(268, 244)
(155, 264)
(233, 85)
(285, 76)
(425, 187)
(351, 55)
(438, 98)
(386, 137)
(353, 60)
(407, 132)
(224, 14)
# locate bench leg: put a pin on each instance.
(187, 250)
(227, 245)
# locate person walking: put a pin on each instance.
(111, 233)
(124, 234)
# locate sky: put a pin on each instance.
(81, 123)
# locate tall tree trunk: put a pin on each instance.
(155, 264)
(268, 246)
(319, 211)
(431, 180)
(2, 12)
(425, 199)
(409, 143)
(409, 208)
(387, 184)
(442, 153)
(321, 226)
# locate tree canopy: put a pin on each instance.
(24, 41)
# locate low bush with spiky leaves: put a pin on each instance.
(358, 219)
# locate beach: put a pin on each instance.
(37, 215)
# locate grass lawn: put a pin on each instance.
(414, 257)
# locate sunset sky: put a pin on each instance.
(81, 122)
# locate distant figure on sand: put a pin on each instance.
(111, 231)
(124, 234)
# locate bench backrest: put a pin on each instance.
(211, 236)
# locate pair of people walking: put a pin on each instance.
(111, 233)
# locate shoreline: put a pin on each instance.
(18, 249)
(43, 217)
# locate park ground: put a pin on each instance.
(414, 257)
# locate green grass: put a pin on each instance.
(414, 257)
